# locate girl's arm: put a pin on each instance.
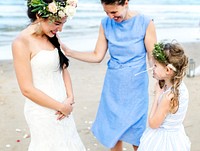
(159, 110)
(150, 40)
(21, 58)
(95, 56)
(157, 92)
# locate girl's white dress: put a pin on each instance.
(48, 133)
(170, 136)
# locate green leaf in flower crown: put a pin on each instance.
(45, 15)
(36, 9)
(51, 9)
(158, 52)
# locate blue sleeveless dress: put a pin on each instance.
(123, 107)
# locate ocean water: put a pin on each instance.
(174, 19)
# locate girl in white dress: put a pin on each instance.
(166, 131)
(41, 70)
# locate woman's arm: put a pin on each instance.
(95, 56)
(21, 58)
(150, 40)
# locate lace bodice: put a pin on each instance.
(46, 74)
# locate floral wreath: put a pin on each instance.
(54, 10)
(159, 55)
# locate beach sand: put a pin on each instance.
(87, 84)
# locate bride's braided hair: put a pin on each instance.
(174, 55)
(64, 61)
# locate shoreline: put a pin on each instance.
(87, 42)
(87, 80)
(6, 53)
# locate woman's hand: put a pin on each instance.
(66, 109)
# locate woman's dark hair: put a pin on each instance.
(110, 2)
(64, 61)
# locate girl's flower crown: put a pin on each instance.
(159, 55)
(54, 10)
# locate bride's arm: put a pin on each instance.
(68, 86)
(69, 100)
(21, 59)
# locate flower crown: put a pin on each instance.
(54, 10)
(159, 55)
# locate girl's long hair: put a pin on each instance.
(175, 55)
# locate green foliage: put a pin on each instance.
(40, 7)
(55, 10)
(158, 52)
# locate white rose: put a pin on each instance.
(70, 11)
(52, 7)
(72, 2)
(61, 14)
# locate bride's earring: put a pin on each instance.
(38, 29)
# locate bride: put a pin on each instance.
(43, 78)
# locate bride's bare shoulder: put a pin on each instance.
(21, 39)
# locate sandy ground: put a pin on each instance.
(87, 83)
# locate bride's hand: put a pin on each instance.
(66, 110)
(70, 100)
(60, 115)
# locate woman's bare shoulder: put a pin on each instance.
(21, 40)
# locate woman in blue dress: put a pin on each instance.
(129, 37)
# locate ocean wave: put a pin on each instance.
(89, 14)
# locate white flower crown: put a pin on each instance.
(54, 10)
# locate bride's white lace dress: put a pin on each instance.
(48, 133)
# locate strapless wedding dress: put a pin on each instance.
(48, 133)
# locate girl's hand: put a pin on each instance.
(168, 96)
(157, 89)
